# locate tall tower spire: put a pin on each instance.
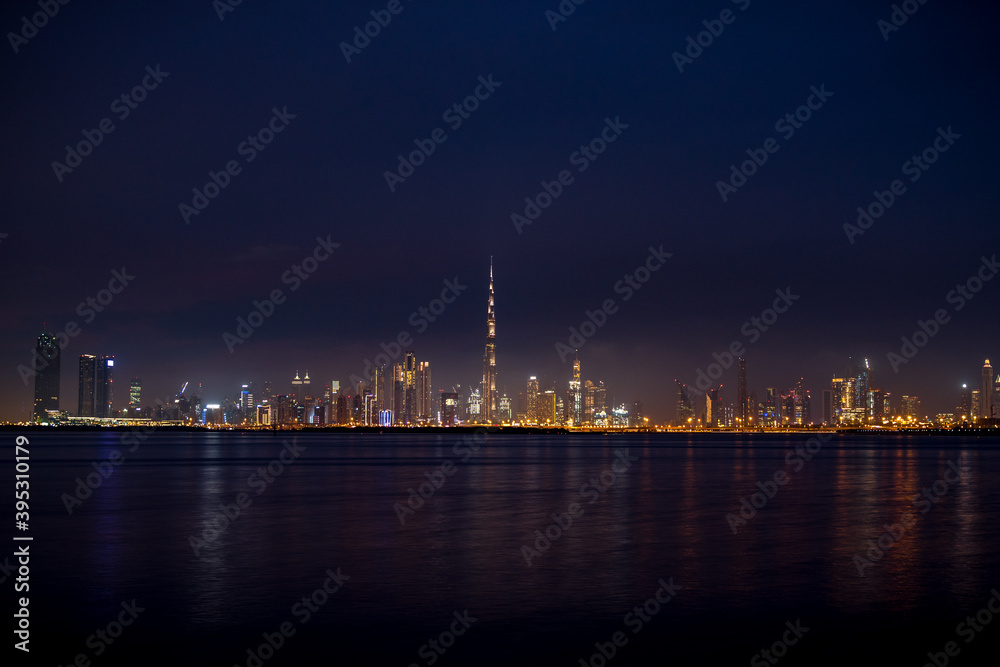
(488, 410)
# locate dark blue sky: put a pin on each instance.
(323, 175)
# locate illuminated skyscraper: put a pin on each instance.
(576, 397)
(489, 388)
(424, 407)
(46, 375)
(135, 393)
(532, 400)
(410, 389)
(449, 406)
(546, 406)
(503, 406)
(986, 393)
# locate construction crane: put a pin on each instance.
(181, 392)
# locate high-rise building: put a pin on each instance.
(911, 408)
(575, 395)
(801, 404)
(46, 375)
(449, 407)
(713, 407)
(546, 406)
(104, 395)
(503, 405)
(134, 393)
(474, 407)
(636, 415)
(742, 398)
(423, 390)
(531, 395)
(963, 412)
(771, 410)
(986, 392)
(828, 406)
(489, 386)
(409, 410)
(88, 371)
(683, 407)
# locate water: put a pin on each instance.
(329, 510)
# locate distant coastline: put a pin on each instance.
(992, 431)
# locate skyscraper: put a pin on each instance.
(489, 391)
(576, 398)
(684, 409)
(88, 371)
(410, 389)
(425, 409)
(104, 396)
(742, 399)
(986, 393)
(964, 409)
(532, 400)
(46, 375)
(135, 393)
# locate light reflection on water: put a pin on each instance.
(663, 517)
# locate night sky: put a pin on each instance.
(344, 124)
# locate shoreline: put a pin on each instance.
(495, 430)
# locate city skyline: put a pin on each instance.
(401, 394)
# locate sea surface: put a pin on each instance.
(651, 515)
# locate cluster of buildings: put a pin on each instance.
(853, 400)
(95, 390)
(397, 394)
